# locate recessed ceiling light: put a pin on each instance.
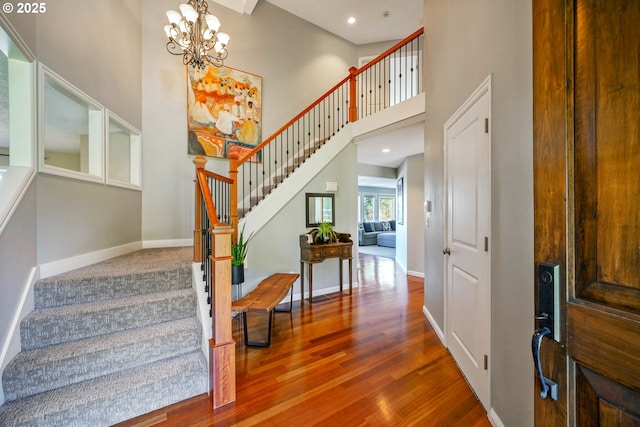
(351, 20)
(386, 150)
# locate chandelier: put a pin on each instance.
(193, 33)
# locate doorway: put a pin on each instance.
(468, 237)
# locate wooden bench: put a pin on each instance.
(264, 299)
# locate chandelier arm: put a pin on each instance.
(194, 40)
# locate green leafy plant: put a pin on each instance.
(325, 233)
(239, 249)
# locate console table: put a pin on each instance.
(311, 253)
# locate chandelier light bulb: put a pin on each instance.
(189, 13)
(173, 16)
(213, 23)
(223, 38)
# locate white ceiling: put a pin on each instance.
(376, 20)
(401, 143)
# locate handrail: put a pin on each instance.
(217, 177)
(392, 49)
(291, 122)
(392, 77)
(206, 196)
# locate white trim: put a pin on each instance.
(135, 152)
(494, 419)
(95, 163)
(174, 243)
(25, 306)
(67, 264)
(434, 325)
(14, 184)
(12, 346)
(415, 273)
(11, 32)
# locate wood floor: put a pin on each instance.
(371, 359)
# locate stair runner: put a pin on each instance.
(107, 343)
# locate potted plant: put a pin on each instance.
(238, 255)
(324, 233)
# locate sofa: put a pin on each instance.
(381, 233)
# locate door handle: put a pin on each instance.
(546, 385)
(446, 251)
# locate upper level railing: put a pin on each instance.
(392, 77)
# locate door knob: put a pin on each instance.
(446, 251)
(546, 385)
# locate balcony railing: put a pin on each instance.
(391, 78)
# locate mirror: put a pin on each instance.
(320, 208)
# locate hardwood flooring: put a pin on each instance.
(371, 359)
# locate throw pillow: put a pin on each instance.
(360, 226)
(377, 226)
(368, 227)
(386, 226)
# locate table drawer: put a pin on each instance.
(331, 252)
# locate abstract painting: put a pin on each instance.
(224, 110)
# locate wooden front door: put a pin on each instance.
(586, 80)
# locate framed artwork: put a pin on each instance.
(400, 201)
(224, 111)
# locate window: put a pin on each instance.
(71, 130)
(78, 137)
(386, 208)
(376, 206)
(123, 153)
(369, 207)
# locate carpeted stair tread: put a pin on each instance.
(51, 367)
(54, 325)
(113, 398)
(148, 270)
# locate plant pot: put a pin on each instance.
(237, 274)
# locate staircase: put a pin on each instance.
(108, 342)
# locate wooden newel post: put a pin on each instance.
(233, 199)
(353, 101)
(222, 348)
(199, 161)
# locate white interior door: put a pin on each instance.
(468, 237)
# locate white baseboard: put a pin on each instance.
(173, 243)
(67, 264)
(12, 346)
(494, 419)
(434, 325)
(415, 273)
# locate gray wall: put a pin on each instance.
(465, 41)
(411, 253)
(275, 248)
(297, 61)
(377, 171)
(76, 217)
